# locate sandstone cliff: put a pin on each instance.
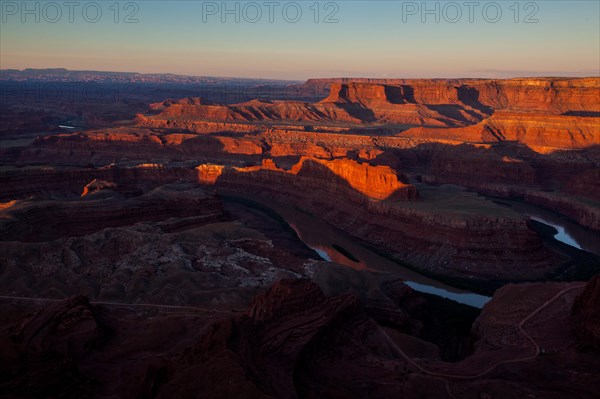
(31, 220)
(438, 234)
(553, 95)
(341, 176)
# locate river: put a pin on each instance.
(567, 231)
(336, 246)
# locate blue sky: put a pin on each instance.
(370, 38)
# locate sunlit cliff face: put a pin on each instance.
(374, 182)
(209, 174)
(546, 115)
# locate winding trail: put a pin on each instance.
(495, 365)
(194, 309)
(190, 309)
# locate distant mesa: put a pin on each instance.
(541, 113)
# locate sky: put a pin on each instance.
(306, 39)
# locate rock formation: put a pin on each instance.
(48, 220)
(341, 177)
(586, 316)
(428, 234)
(556, 95)
(150, 257)
(294, 341)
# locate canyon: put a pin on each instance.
(156, 241)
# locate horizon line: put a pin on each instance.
(307, 79)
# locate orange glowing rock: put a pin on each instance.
(336, 176)
(209, 174)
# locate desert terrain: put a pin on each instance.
(345, 238)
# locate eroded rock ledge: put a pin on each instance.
(441, 241)
(295, 341)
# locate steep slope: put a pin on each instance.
(446, 232)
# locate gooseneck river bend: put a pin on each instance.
(336, 246)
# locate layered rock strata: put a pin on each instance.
(432, 236)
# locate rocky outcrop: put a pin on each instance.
(534, 323)
(586, 316)
(175, 122)
(340, 176)
(576, 96)
(170, 269)
(42, 354)
(583, 183)
(544, 114)
(427, 233)
(493, 156)
(398, 104)
(48, 182)
(97, 185)
(541, 132)
(134, 145)
(47, 220)
(269, 352)
(71, 327)
(295, 341)
(255, 111)
(583, 211)
(412, 102)
(174, 258)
